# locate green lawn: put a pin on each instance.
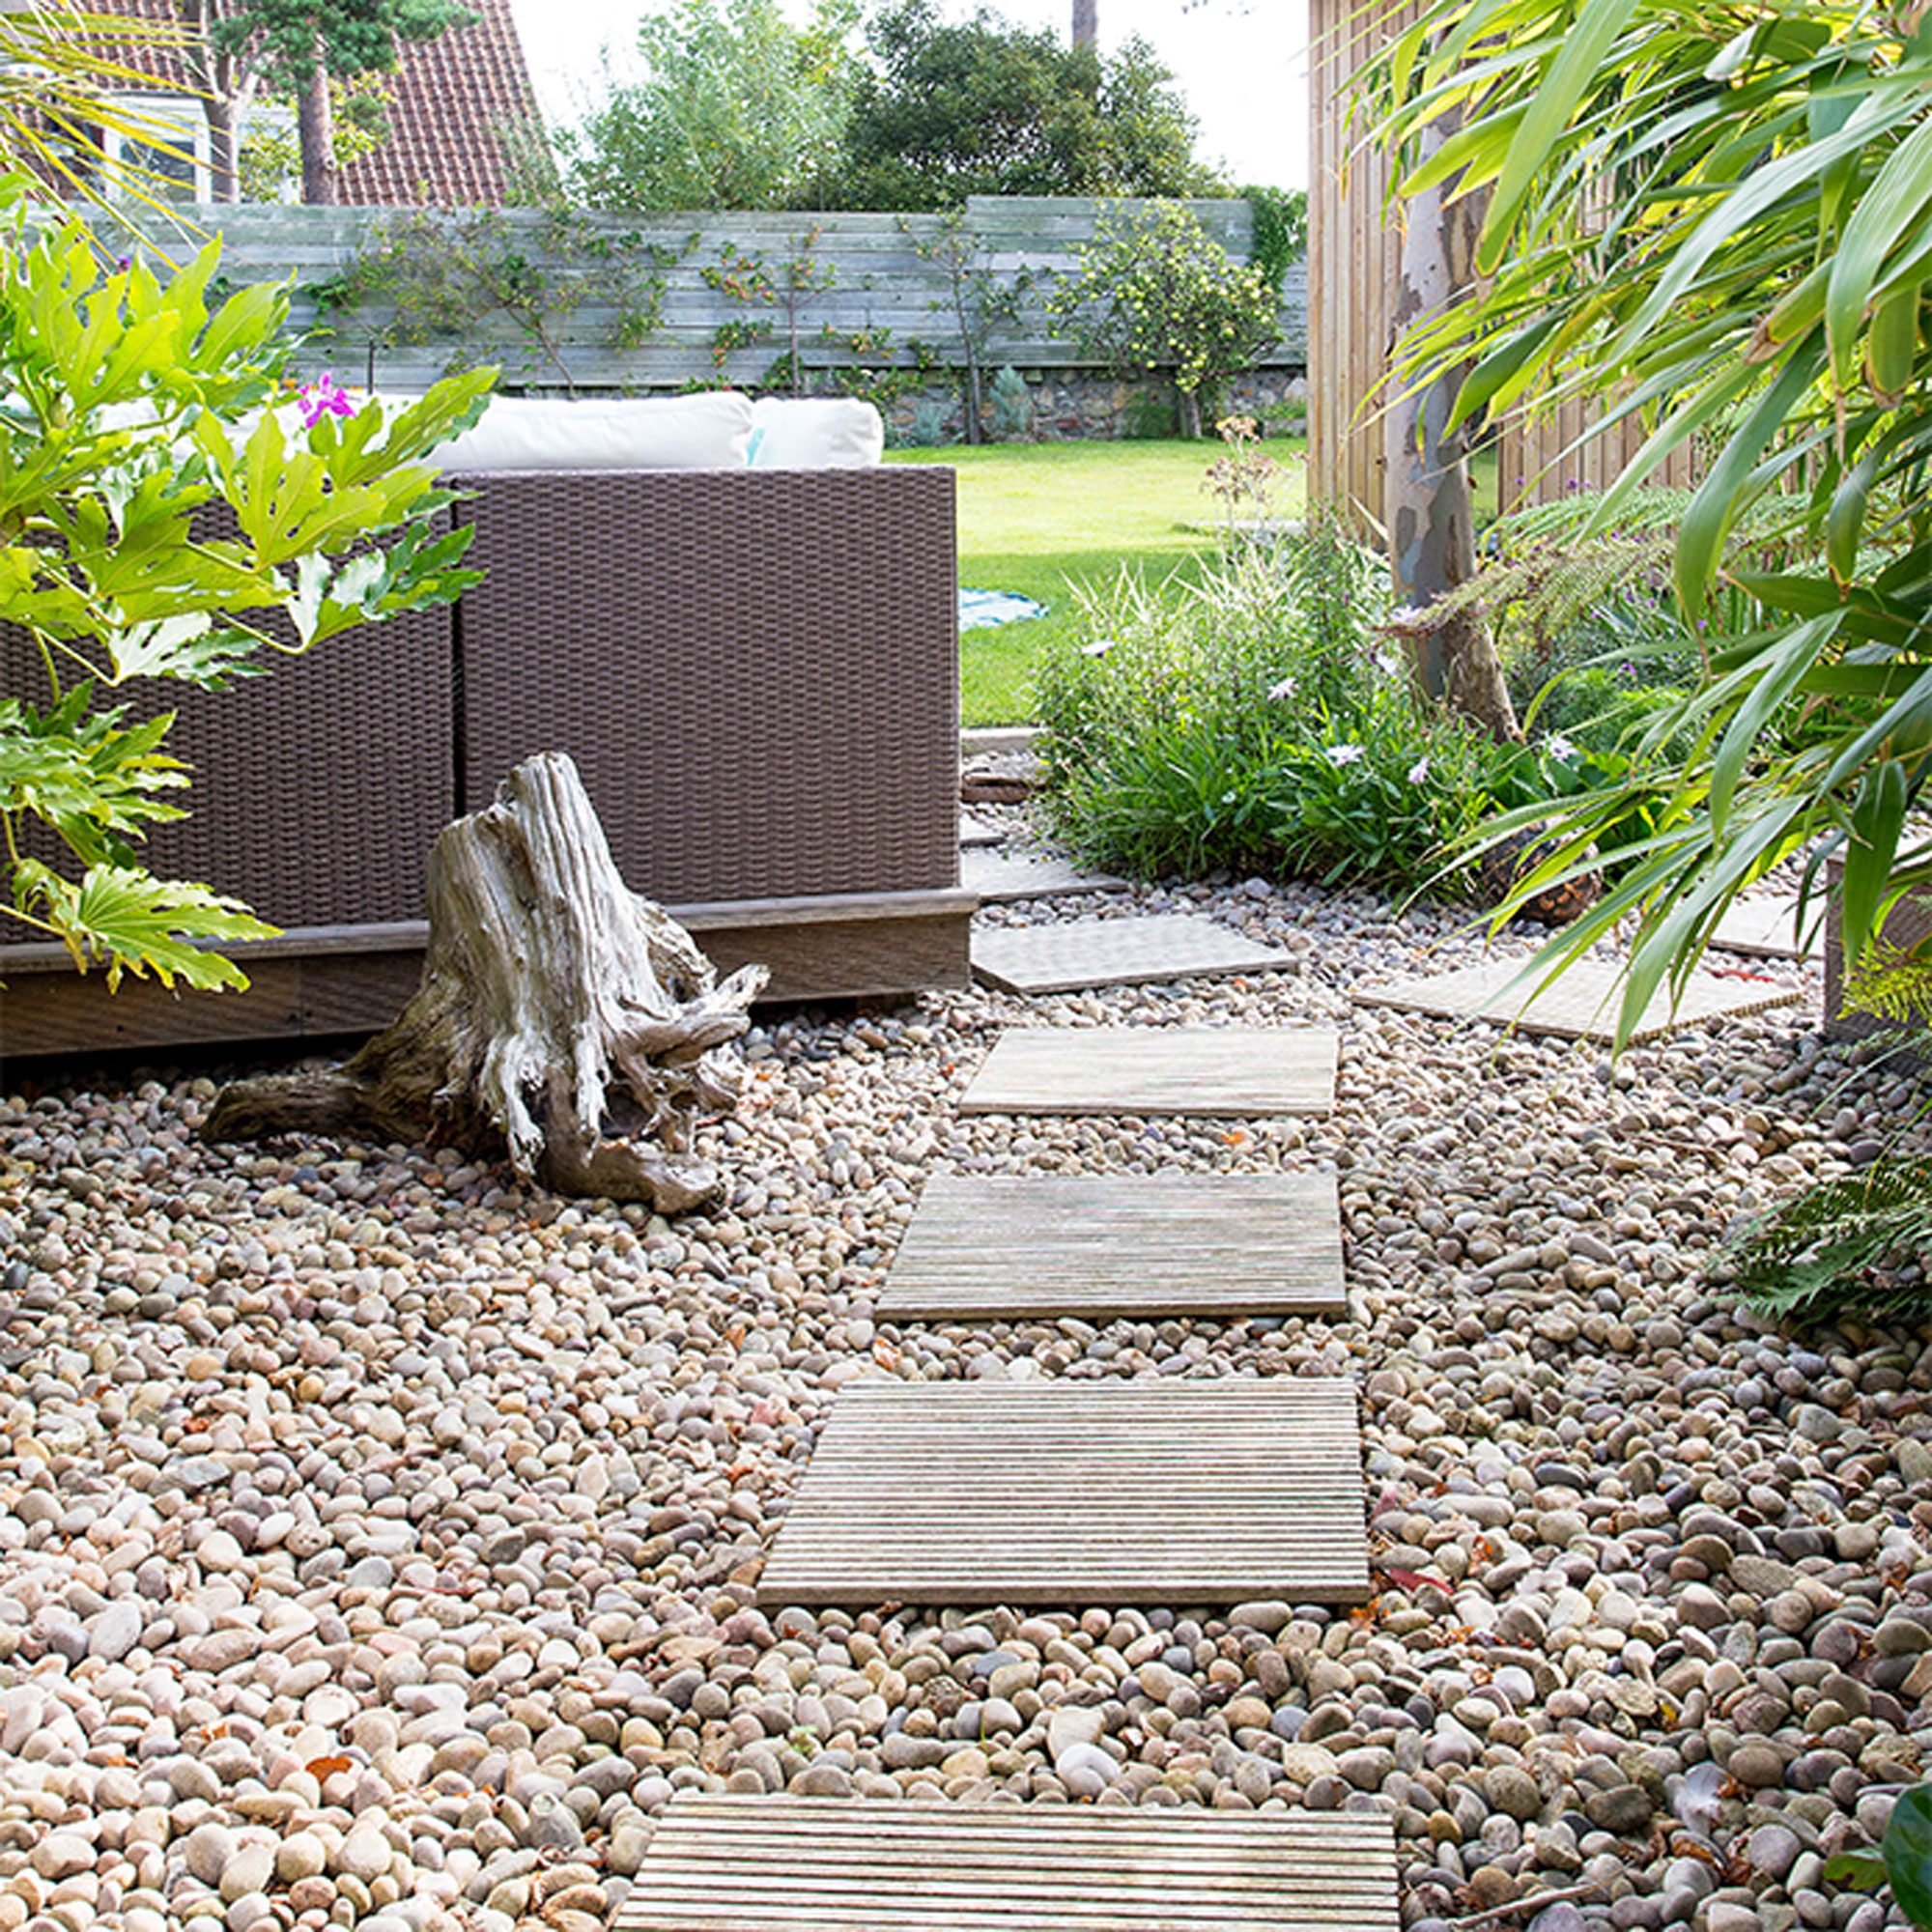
(1043, 517)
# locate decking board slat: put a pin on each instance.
(741, 1863)
(1582, 1004)
(1066, 955)
(1009, 1247)
(1078, 1493)
(1189, 1072)
(1004, 878)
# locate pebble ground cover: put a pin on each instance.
(377, 1541)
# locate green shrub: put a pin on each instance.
(130, 404)
(1252, 723)
(1151, 415)
(1012, 407)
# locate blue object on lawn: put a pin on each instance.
(980, 608)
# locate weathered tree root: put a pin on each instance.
(563, 1021)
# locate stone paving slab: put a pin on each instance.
(1078, 1493)
(1106, 1246)
(1582, 1004)
(731, 1862)
(1068, 954)
(975, 832)
(1000, 878)
(1202, 1072)
(1767, 929)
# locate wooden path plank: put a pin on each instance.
(1768, 928)
(1002, 879)
(1101, 1246)
(1075, 953)
(1581, 1005)
(975, 832)
(1078, 1493)
(1190, 1072)
(742, 1864)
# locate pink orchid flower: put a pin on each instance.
(324, 397)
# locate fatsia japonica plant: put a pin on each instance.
(128, 406)
(1715, 219)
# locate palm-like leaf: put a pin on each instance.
(1718, 219)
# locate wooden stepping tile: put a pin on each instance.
(1078, 1493)
(1581, 1004)
(1767, 929)
(1193, 1072)
(1098, 1246)
(742, 1863)
(975, 832)
(1000, 878)
(1075, 953)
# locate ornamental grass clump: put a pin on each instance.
(1254, 724)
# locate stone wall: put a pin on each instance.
(1072, 405)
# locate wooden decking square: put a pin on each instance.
(1063, 1493)
(1000, 878)
(1098, 1246)
(1075, 953)
(742, 1863)
(1211, 1072)
(1767, 929)
(1581, 1004)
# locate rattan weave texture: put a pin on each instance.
(651, 624)
(316, 790)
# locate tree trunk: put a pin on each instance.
(1189, 401)
(1086, 23)
(224, 152)
(1430, 525)
(547, 985)
(315, 127)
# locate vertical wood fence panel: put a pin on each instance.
(1354, 255)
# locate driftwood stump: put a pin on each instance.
(562, 1019)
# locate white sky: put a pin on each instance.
(1241, 63)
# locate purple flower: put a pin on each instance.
(1418, 772)
(1282, 691)
(324, 397)
(123, 261)
(1346, 754)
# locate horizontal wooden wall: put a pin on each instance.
(880, 283)
(1354, 256)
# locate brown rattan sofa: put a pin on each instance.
(756, 672)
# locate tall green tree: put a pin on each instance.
(943, 111)
(1718, 220)
(295, 48)
(739, 107)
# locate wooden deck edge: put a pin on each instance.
(329, 982)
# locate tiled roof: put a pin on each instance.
(450, 99)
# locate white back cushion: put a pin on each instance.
(709, 431)
(816, 433)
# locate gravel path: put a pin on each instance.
(377, 1541)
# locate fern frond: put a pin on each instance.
(1891, 982)
(1818, 1253)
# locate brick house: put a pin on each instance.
(451, 102)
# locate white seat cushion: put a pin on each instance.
(816, 433)
(709, 431)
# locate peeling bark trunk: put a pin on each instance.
(1430, 522)
(1086, 23)
(316, 129)
(563, 1020)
